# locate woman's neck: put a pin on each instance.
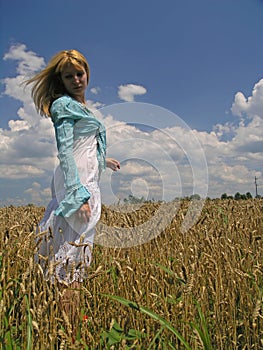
(79, 99)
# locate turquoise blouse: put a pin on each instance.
(71, 121)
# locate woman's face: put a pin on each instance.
(75, 81)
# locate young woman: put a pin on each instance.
(58, 92)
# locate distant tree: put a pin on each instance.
(237, 196)
(224, 196)
(195, 197)
(134, 200)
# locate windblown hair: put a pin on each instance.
(48, 85)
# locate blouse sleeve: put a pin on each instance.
(76, 193)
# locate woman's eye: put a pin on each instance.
(70, 76)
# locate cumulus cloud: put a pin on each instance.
(156, 162)
(129, 91)
(252, 105)
(27, 61)
(37, 194)
(94, 105)
(95, 90)
(27, 145)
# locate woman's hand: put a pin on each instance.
(84, 212)
(113, 164)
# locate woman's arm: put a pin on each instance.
(76, 194)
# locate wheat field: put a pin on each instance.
(200, 289)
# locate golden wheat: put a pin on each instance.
(217, 264)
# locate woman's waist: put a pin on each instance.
(59, 191)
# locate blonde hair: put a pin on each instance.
(48, 85)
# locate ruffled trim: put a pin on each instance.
(72, 202)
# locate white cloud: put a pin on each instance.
(157, 163)
(251, 106)
(17, 171)
(27, 146)
(28, 61)
(95, 90)
(94, 105)
(129, 91)
(18, 125)
(38, 195)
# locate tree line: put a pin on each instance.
(238, 196)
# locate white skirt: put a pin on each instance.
(65, 244)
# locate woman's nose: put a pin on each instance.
(76, 78)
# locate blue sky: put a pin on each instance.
(201, 60)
